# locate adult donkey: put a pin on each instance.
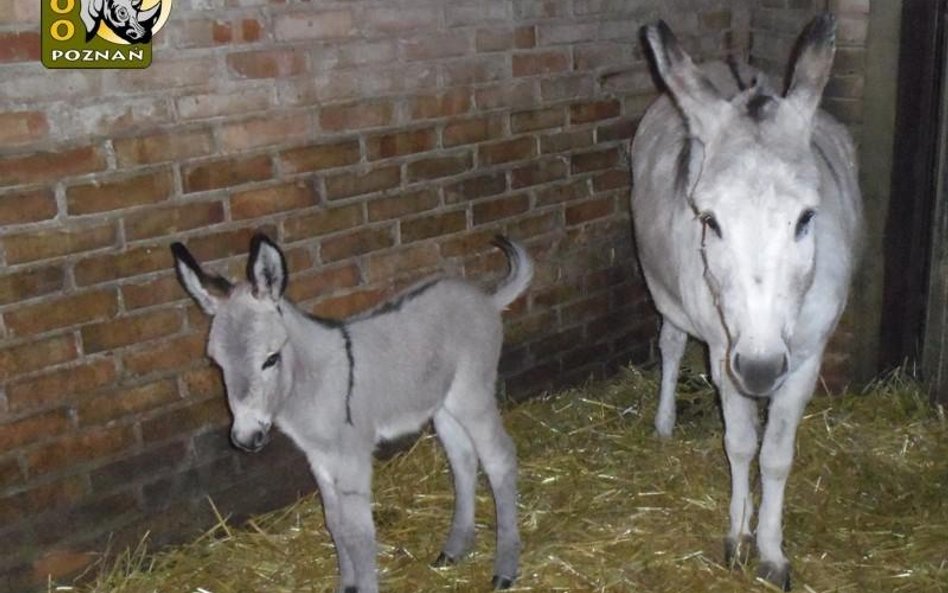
(747, 217)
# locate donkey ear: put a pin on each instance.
(266, 268)
(700, 102)
(208, 291)
(811, 69)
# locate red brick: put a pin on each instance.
(124, 331)
(33, 428)
(270, 200)
(539, 171)
(477, 70)
(262, 131)
(193, 418)
(267, 63)
(124, 264)
(614, 179)
(433, 225)
(41, 498)
(569, 87)
(164, 356)
(324, 281)
(447, 104)
(45, 166)
(499, 208)
(27, 206)
(212, 246)
(538, 119)
(36, 354)
(60, 386)
(122, 192)
(205, 382)
(411, 260)
(355, 116)
(345, 185)
(540, 62)
(465, 244)
(400, 19)
(565, 192)
(79, 448)
(320, 156)
(566, 141)
(51, 243)
(22, 127)
(358, 242)
(314, 24)
(65, 311)
(594, 161)
(229, 172)
(506, 151)
(534, 225)
(581, 212)
(171, 220)
(400, 143)
(434, 45)
(23, 46)
(496, 39)
(349, 304)
(622, 130)
(28, 284)
(403, 203)
(155, 291)
(475, 187)
(516, 94)
(440, 166)
(323, 222)
(591, 111)
(163, 146)
(469, 131)
(197, 106)
(126, 401)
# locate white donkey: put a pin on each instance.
(337, 388)
(747, 217)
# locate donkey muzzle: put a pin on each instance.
(760, 376)
(251, 442)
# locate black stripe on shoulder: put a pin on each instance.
(347, 340)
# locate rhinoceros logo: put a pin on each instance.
(124, 17)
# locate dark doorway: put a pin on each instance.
(917, 151)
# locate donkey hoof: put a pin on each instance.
(499, 582)
(737, 552)
(443, 560)
(775, 574)
(351, 590)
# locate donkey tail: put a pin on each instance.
(521, 272)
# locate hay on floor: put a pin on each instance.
(607, 507)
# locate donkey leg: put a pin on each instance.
(333, 514)
(463, 460)
(498, 457)
(353, 485)
(740, 443)
(776, 458)
(671, 342)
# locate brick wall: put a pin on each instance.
(376, 142)
(775, 25)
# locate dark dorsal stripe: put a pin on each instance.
(398, 303)
(347, 339)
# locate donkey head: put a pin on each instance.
(751, 178)
(248, 338)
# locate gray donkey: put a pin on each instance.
(338, 388)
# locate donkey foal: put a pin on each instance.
(338, 388)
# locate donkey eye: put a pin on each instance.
(803, 223)
(271, 360)
(710, 222)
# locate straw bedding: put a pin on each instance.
(605, 506)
